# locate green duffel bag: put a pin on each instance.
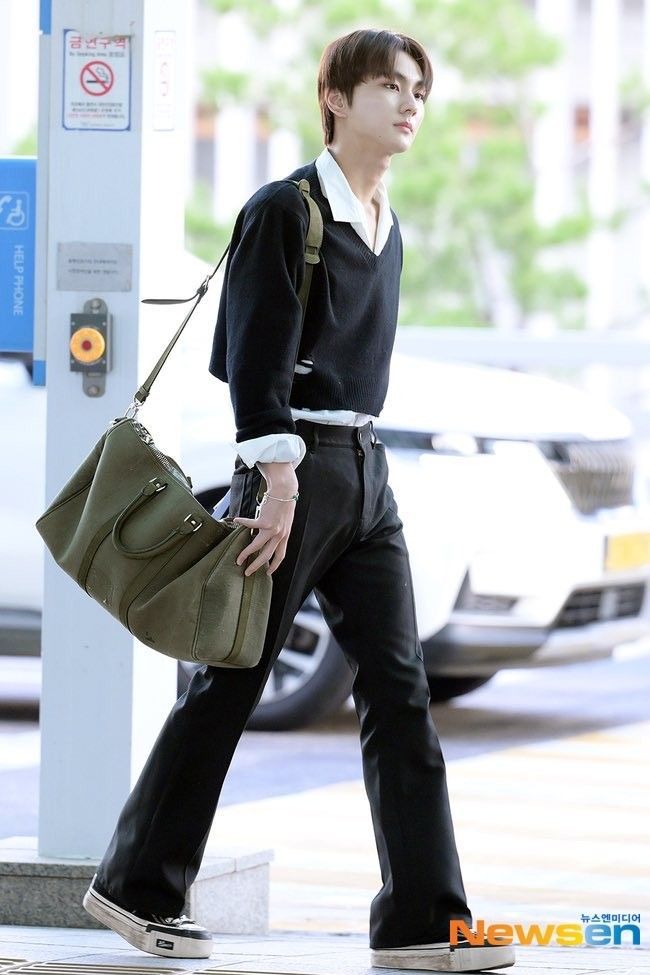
(128, 529)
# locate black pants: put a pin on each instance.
(347, 544)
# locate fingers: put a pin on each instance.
(254, 523)
(278, 556)
(262, 559)
(264, 535)
(263, 545)
(271, 549)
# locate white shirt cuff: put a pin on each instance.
(274, 447)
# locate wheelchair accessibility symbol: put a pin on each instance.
(14, 213)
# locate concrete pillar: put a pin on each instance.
(115, 166)
(236, 125)
(234, 182)
(603, 164)
(644, 264)
(553, 137)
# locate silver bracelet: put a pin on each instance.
(267, 495)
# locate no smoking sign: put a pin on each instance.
(96, 82)
(97, 78)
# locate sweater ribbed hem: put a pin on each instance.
(364, 394)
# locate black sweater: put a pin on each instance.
(350, 324)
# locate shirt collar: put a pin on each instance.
(347, 207)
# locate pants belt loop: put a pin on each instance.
(315, 439)
(373, 435)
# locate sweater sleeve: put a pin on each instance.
(263, 318)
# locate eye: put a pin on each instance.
(389, 83)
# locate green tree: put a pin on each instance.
(464, 192)
(27, 146)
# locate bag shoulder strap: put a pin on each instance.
(313, 243)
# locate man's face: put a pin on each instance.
(380, 104)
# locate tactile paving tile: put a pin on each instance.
(18, 966)
(219, 970)
(85, 968)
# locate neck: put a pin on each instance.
(363, 172)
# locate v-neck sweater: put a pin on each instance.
(341, 357)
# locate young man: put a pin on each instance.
(304, 399)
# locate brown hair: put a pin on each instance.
(349, 60)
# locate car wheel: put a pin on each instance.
(308, 682)
(443, 688)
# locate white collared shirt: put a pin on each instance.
(347, 208)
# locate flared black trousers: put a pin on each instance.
(346, 544)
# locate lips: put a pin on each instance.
(404, 125)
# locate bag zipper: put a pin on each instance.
(144, 435)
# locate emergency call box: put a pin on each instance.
(17, 253)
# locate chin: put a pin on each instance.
(400, 143)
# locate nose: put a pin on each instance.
(411, 103)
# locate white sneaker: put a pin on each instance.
(442, 956)
(174, 937)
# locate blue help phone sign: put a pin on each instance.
(17, 247)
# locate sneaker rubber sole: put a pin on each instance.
(441, 957)
(157, 939)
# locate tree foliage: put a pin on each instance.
(464, 193)
(28, 145)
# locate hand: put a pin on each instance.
(274, 518)
(273, 526)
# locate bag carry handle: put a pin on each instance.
(189, 525)
(312, 256)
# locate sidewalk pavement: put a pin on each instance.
(547, 833)
(91, 952)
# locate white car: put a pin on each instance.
(528, 531)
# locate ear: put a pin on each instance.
(336, 102)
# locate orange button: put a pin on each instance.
(87, 345)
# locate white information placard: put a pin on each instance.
(85, 266)
(164, 94)
(96, 82)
